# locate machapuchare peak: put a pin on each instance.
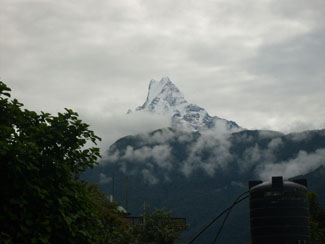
(164, 98)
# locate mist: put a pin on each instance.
(211, 151)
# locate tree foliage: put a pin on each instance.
(317, 219)
(42, 198)
(158, 228)
(113, 228)
(41, 158)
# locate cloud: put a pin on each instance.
(209, 152)
(256, 153)
(111, 127)
(240, 56)
(161, 136)
(155, 158)
(305, 136)
(265, 159)
(159, 154)
(275, 143)
(259, 63)
(103, 179)
(238, 184)
(149, 177)
(302, 164)
(152, 158)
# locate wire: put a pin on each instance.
(228, 213)
(218, 216)
(223, 222)
(225, 219)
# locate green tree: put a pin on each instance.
(42, 200)
(157, 228)
(113, 229)
(317, 219)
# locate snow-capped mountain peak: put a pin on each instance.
(164, 98)
(157, 87)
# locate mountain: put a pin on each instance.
(164, 98)
(197, 171)
(198, 174)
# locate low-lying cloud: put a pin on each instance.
(209, 152)
(302, 164)
(156, 155)
(112, 127)
(104, 179)
(160, 154)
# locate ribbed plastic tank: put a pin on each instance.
(279, 212)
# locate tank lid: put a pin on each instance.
(277, 182)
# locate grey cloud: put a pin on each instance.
(300, 136)
(103, 179)
(294, 70)
(251, 157)
(295, 60)
(275, 143)
(302, 164)
(156, 160)
(255, 155)
(112, 127)
(160, 154)
(259, 63)
(210, 152)
(161, 136)
(306, 136)
(238, 184)
(185, 138)
(267, 134)
(217, 145)
(300, 126)
(149, 177)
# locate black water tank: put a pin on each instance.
(279, 212)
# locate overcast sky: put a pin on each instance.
(260, 63)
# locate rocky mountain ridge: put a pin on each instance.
(164, 98)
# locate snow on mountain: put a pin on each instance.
(164, 98)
